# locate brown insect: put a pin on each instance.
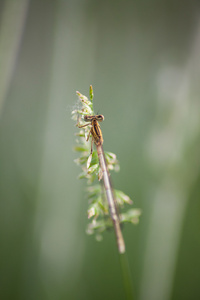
(95, 130)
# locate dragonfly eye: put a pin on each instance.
(87, 118)
(100, 118)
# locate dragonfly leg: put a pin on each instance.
(88, 136)
(91, 141)
(91, 146)
(82, 125)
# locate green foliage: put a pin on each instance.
(98, 210)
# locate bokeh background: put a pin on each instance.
(143, 60)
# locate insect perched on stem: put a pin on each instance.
(97, 138)
(95, 130)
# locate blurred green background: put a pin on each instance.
(142, 58)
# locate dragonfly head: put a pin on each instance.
(89, 118)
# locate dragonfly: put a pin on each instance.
(97, 139)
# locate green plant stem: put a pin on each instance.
(126, 276)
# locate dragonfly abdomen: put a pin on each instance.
(96, 133)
